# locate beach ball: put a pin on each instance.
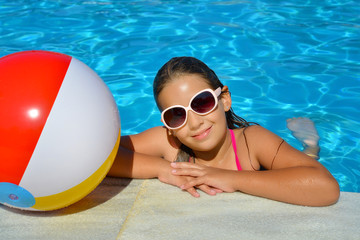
(59, 130)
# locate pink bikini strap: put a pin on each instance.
(233, 141)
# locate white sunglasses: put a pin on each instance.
(201, 103)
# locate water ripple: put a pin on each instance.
(279, 59)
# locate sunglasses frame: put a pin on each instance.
(215, 94)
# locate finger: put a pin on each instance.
(218, 190)
(207, 189)
(192, 191)
(187, 172)
(192, 183)
(184, 165)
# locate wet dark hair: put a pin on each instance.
(178, 66)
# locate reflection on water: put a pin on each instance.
(279, 58)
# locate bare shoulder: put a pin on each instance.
(272, 152)
(259, 144)
(155, 132)
(258, 133)
(154, 141)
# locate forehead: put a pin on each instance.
(181, 89)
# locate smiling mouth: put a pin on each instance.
(202, 134)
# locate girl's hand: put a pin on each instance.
(177, 180)
(215, 178)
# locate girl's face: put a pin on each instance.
(200, 132)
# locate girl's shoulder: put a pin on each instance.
(260, 144)
(152, 136)
(156, 141)
(256, 132)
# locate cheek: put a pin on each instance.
(181, 134)
(216, 118)
(221, 124)
(219, 116)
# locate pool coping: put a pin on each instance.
(148, 209)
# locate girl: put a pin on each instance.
(205, 146)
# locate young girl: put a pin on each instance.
(205, 146)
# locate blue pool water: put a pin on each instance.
(280, 58)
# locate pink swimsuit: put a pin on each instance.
(233, 141)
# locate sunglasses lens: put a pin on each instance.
(203, 103)
(174, 117)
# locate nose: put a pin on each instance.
(194, 120)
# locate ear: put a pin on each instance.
(226, 98)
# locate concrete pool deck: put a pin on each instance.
(148, 209)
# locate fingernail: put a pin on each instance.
(173, 164)
(173, 171)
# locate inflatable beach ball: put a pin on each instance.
(59, 130)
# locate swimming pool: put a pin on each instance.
(279, 58)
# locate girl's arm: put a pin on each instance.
(140, 155)
(291, 176)
(132, 164)
(148, 155)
